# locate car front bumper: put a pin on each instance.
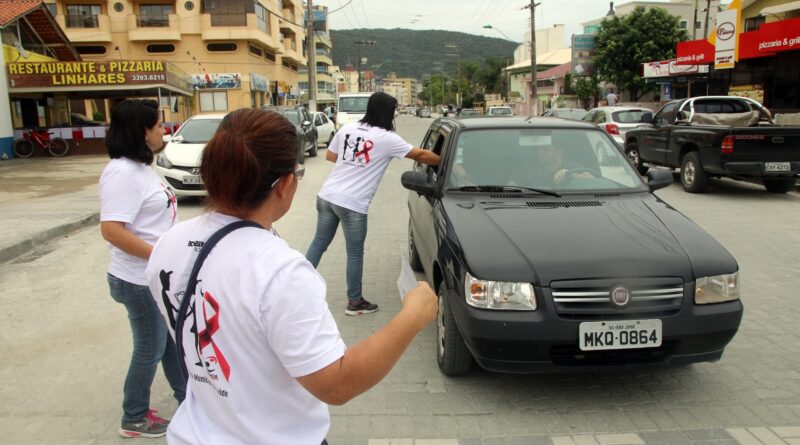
(544, 341)
(174, 179)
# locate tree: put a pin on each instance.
(623, 44)
(585, 88)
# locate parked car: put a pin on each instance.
(306, 131)
(423, 112)
(565, 113)
(616, 121)
(470, 112)
(717, 136)
(325, 128)
(538, 275)
(351, 108)
(179, 163)
(499, 111)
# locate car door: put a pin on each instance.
(326, 130)
(421, 207)
(307, 123)
(653, 143)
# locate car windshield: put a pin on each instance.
(500, 111)
(628, 116)
(568, 114)
(292, 115)
(198, 131)
(534, 157)
(353, 104)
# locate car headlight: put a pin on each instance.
(500, 295)
(162, 161)
(717, 288)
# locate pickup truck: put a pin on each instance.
(717, 136)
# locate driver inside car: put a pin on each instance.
(551, 163)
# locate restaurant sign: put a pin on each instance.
(92, 74)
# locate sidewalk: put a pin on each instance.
(42, 199)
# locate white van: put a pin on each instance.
(351, 107)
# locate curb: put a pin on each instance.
(13, 251)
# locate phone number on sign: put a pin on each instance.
(148, 77)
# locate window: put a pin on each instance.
(684, 24)
(753, 23)
(269, 56)
(256, 51)
(262, 18)
(229, 12)
(698, 24)
(253, 99)
(667, 113)
(161, 48)
(91, 50)
(53, 8)
(154, 16)
(83, 16)
(222, 47)
(214, 101)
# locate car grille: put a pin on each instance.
(187, 169)
(178, 185)
(590, 299)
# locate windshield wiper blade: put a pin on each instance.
(502, 188)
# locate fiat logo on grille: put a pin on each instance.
(195, 171)
(620, 297)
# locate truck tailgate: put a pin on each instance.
(765, 144)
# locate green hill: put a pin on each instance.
(411, 53)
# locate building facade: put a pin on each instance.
(683, 9)
(326, 83)
(240, 53)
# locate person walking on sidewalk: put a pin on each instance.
(136, 209)
(362, 151)
(263, 353)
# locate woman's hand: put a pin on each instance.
(422, 303)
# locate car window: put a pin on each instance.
(198, 131)
(292, 115)
(720, 106)
(318, 119)
(599, 117)
(533, 157)
(323, 118)
(667, 112)
(627, 116)
(589, 117)
(353, 104)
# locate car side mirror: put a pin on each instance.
(166, 138)
(682, 117)
(646, 118)
(658, 179)
(306, 123)
(418, 182)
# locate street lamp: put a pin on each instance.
(501, 32)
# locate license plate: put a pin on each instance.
(628, 334)
(777, 166)
(192, 180)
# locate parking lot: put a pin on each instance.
(66, 344)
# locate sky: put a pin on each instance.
(468, 16)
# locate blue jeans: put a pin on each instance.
(151, 344)
(354, 226)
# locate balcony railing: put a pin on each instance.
(150, 21)
(323, 52)
(82, 21)
(228, 19)
(289, 15)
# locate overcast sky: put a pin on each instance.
(467, 16)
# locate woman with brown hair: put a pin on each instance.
(262, 351)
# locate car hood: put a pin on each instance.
(184, 154)
(623, 237)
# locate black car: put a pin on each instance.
(306, 131)
(581, 268)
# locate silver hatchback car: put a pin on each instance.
(616, 121)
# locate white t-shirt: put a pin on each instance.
(262, 323)
(611, 98)
(132, 193)
(364, 153)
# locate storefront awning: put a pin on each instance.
(779, 9)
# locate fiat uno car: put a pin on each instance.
(549, 252)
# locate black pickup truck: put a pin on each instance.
(717, 136)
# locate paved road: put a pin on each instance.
(66, 344)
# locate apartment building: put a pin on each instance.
(239, 53)
(406, 88)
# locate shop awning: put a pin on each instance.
(39, 19)
(779, 9)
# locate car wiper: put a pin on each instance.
(502, 188)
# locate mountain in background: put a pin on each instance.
(411, 53)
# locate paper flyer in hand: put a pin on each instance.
(407, 280)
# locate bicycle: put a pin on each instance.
(25, 147)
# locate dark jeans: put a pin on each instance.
(151, 344)
(354, 226)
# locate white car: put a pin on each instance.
(179, 164)
(499, 111)
(325, 128)
(616, 121)
(351, 108)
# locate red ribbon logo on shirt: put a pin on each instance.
(365, 151)
(205, 337)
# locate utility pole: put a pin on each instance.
(312, 63)
(694, 22)
(534, 99)
(458, 75)
(362, 43)
(708, 11)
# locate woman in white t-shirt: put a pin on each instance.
(136, 209)
(261, 348)
(361, 150)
